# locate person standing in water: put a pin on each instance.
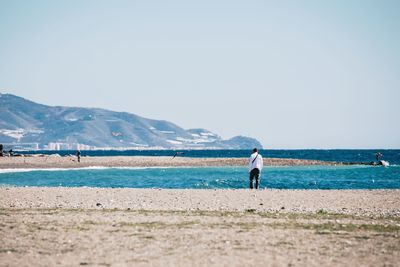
(255, 167)
(378, 156)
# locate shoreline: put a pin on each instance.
(145, 161)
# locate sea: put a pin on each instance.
(358, 176)
(342, 155)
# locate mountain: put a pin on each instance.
(26, 123)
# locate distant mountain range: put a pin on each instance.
(26, 124)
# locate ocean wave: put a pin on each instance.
(298, 168)
(11, 170)
(17, 170)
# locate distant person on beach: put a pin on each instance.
(1, 150)
(178, 153)
(78, 154)
(378, 156)
(255, 167)
(10, 153)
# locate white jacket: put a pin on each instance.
(258, 163)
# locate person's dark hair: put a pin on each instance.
(255, 150)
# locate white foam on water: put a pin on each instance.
(83, 168)
(47, 169)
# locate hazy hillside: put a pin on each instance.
(23, 121)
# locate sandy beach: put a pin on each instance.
(158, 227)
(199, 133)
(46, 161)
(48, 226)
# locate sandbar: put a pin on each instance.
(46, 161)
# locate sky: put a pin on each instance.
(292, 74)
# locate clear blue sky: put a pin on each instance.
(293, 74)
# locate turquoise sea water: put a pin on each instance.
(345, 155)
(307, 177)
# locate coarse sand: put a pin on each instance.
(154, 227)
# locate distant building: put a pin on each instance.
(83, 147)
(53, 146)
(67, 146)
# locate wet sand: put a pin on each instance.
(154, 227)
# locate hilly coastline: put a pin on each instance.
(28, 125)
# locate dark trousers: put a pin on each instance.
(254, 174)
